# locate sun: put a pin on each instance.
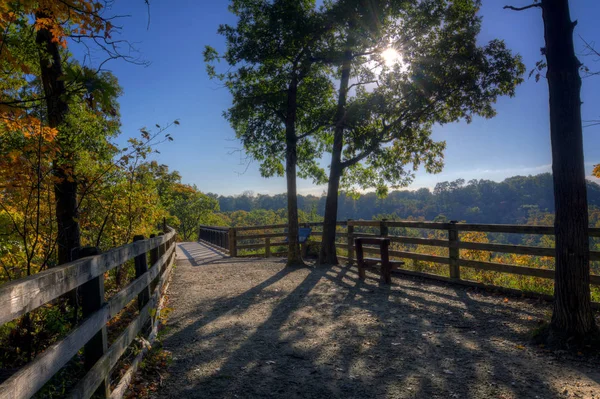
(391, 56)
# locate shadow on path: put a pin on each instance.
(260, 330)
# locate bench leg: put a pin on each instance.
(361, 271)
(386, 266)
(386, 273)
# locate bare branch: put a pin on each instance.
(523, 8)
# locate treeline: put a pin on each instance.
(514, 200)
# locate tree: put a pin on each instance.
(190, 206)
(572, 317)
(46, 25)
(386, 125)
(280, 92)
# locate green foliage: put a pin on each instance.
(191, 208)
(515, 200)
(441, 75)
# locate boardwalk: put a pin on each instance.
(244, 328)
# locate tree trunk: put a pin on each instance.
(328, 255)
(294, 255)
(572, 317)
(65, 188)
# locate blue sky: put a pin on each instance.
(175, 86)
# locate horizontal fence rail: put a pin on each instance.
(22, 296)
(268, 237)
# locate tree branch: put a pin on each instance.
(523, 8)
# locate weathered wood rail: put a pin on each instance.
(87, 273)
(347, 232)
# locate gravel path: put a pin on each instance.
(251, 328)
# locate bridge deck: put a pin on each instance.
(251, 328)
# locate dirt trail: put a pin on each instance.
(250, 328)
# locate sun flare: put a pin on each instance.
(391, 56)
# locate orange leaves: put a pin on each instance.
(83, 18)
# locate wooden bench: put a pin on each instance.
(386, 264)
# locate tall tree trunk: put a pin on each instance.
(572, 316)
(294, 254)
(328, 255)
(65, 188)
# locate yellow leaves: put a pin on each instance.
(596, 171)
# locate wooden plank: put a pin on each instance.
(232, 242)
(502, 268)
(420, 241)
(126, 379)
(217, 228)
(127, 294)
(422, 257)
(594, 256)
(364, 223)
(371, 241)
(29, 379)
(250, 246)
(92, 298)
(594, 232)
(258, 236)
(24, 295)
(453, 251)
(86, 387)
(419, 225)
(410, 255)
(141, 267)
(513, 249)
(350, 243)
(505, 228)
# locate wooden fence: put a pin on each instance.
(87, 275)
(239, 236)
(238, 239)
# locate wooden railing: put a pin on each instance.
(22, 296)
(454, 245)
(252, 238)
(217, 236)
(236, 240)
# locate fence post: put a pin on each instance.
(141, 267)
(92, 299)
(161, 251)
(267, 247)
(383, 228)
(453, 251)
(350, 242)
(153, 260)
(232, 242)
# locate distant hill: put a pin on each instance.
(476, 201)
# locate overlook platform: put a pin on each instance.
(252, 328)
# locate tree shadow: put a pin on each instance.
(333, 335)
